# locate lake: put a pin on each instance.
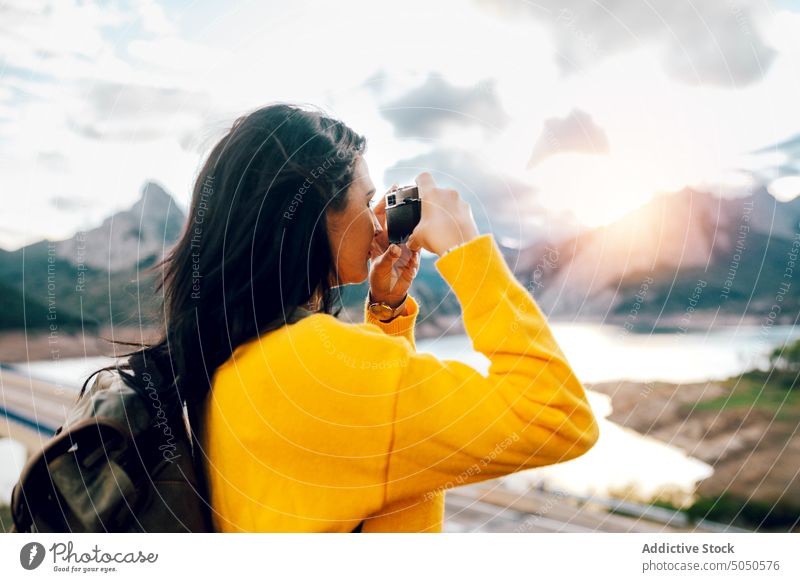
(600, 353)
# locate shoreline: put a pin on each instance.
(754, 449)
(17, 346)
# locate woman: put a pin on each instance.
(310, 424)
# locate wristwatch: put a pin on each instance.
(384, 312)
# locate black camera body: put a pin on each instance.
(403, 211)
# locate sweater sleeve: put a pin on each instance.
(454, 426)
(400, 326)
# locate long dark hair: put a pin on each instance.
(254, 249)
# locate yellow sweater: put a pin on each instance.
(320, 424)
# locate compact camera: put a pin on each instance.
(403, 211)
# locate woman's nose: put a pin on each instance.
(377, 225)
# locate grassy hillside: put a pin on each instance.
(39, 290)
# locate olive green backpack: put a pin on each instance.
(117, 464)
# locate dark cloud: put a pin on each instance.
(500, 204)
(702, 42)
(428, 110)
(577, 132)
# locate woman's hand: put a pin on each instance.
(392, 272)
(446, 219)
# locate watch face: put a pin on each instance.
(381, 311)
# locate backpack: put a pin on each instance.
(117, 464)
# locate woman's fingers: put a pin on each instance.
(425, 182)
(392, 270)
(409, 265)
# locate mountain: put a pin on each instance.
(129, 238)
(95, 277)
(681, 253)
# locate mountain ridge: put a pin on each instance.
(674, 239)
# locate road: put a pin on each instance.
(31, 409)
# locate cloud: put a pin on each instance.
(153, 17)
(779, 160)
(500, 204)
(131, 112)
(430, 109)
(70, 57)
(700, 42)
(376, 82)
(69, 203)
(577, 132)
(58, 39)
(53, 161)
(790, 147)
(175, 55)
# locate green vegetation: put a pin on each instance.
(36, 293)
(776, 389)
(739, 512)
(785, 365)
(755, 389)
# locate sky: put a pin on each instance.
(546, 115)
